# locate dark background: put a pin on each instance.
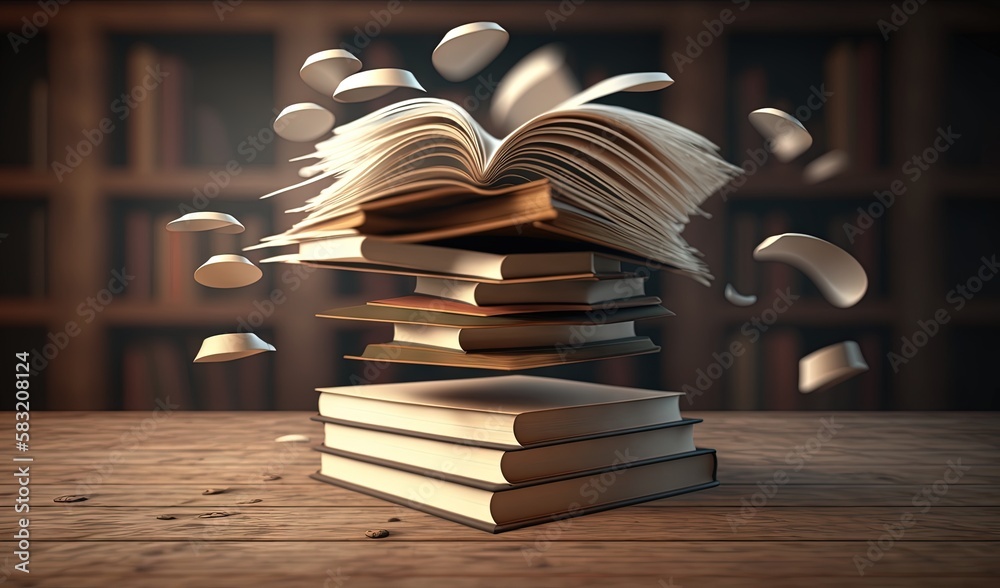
(895, 83)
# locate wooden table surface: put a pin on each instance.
(910, 499)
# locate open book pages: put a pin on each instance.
(619, 178)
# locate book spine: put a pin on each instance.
(162, 270)
(39, 113)
(743, 385)
(868, 123)
(781, 360)
(175, 384)
(139, 253)
(752, 84)
(838, 108)
(135, 377)
(744, 239)
(870, 384)
(38, 252)
(142, 140)
(172, 113)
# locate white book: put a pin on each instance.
(511, 466)
(500, 411)
(451, 261)
(504, 508)
(561, 292)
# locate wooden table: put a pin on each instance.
(780, 518)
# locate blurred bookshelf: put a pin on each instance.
(227, 76)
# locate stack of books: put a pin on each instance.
(506, 452)
(503, 312)
(521, 248)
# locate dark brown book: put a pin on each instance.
(508, 360)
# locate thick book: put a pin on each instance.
(432, 259)
(431, 211)
(619, 179)
(500, 411)
(496, 509)
(431, 303)
(504, 359)
(491, 465)
(562, 292)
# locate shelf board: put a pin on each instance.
(163, 314)
(786, 182)
(181, 184)
(817, 313)
(25, 312)
(28, 183)
(978, 312)
(968, 184)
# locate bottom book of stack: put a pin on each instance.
(505, 452)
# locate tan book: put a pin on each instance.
(492, 465)
(418, 302)
(500, 411)
(499, 509)
(562, 292)
(451, 261)
(143, 135)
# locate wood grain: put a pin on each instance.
(808, 531)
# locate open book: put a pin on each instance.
(618, 179)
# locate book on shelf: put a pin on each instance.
(497, 509)
(25, 253)
(144, 118)
(39, 124)
(781, 352)
(840, 73)
(171, 115)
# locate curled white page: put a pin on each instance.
(230, 346)
(467, 49)
(839, 277)
(304, 121)
(826, 166)
(206, 221)
(646, 81)
(786, 136)
(325, 70)
(737, 299)
(538, 83)
(227, 271)
(374, 83)
(830, 366)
